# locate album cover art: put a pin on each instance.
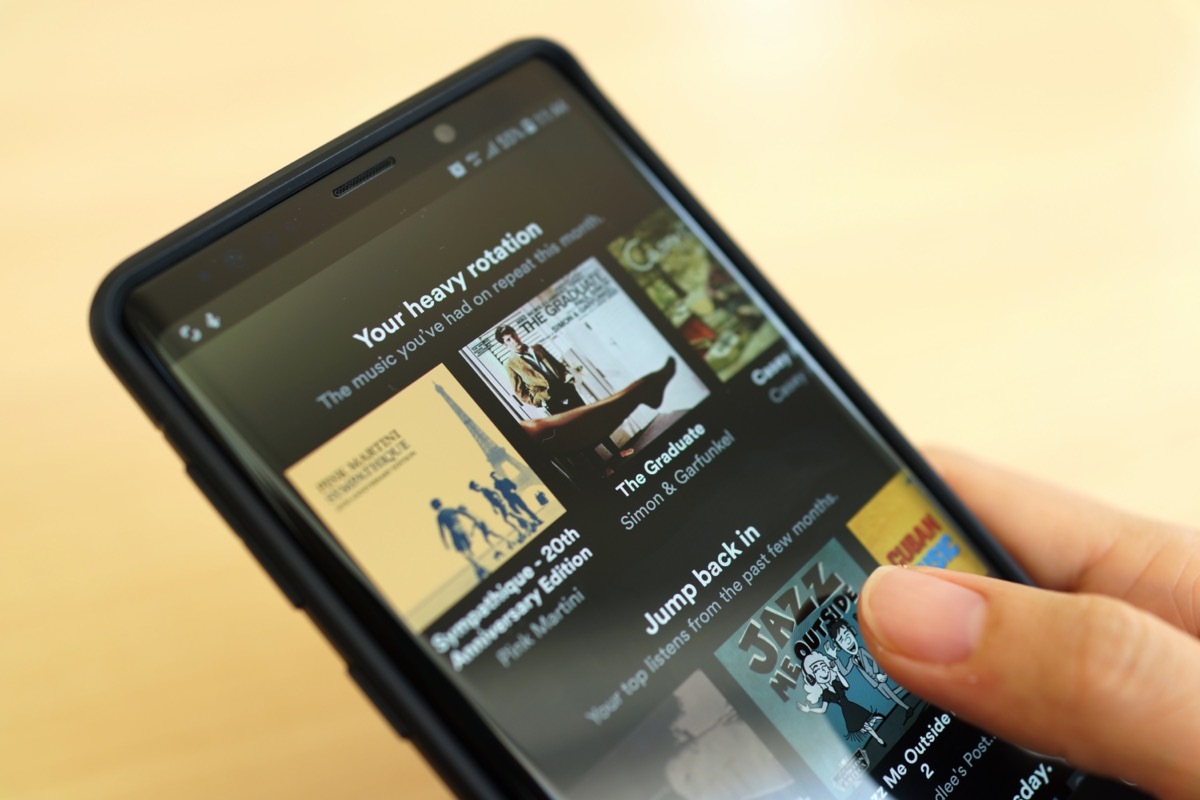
(586, 375)
(900, 526)
(802, 660)
(697, 295)
(426, 496)
(693, 746)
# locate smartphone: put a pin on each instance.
(582, 502)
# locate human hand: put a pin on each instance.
(1100, 667)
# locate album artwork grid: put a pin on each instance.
(590, 381)
(584, 371)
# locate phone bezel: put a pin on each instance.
(409, 689)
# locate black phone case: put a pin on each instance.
(406, 686)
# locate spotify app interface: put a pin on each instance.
(583, 459)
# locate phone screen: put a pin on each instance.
(523, 397)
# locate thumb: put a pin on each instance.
(1108, 687)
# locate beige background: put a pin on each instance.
(989, 210)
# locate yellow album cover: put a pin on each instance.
(426, 496)
(900, 526)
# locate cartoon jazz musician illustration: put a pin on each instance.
(847, 642)
(829, 685)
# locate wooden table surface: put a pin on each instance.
(989, 211)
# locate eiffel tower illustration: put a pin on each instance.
(496, 455)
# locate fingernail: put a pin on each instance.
(923, 616)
